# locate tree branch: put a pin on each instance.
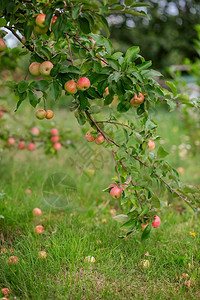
(117, 123)
(17, 36)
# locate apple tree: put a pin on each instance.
(68, 52)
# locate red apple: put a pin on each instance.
(13, 260)
(99, 140)
(11, 141)
(31, 147)
(89, 137)
(57, 146)
(151, 145)
(2, 45)
(35, 131)
(42, 254)
(116, 192)
(40, 114)
(55, 139)
(70, 87)
(21, 145)
(40, 20)
(45, 68)
(49, 114)
(157, 222)
(1, 114)
(37, 212)
(54, 131)
(40, 30)
(53, 20)
(139, 98)
(34, 69)
(39, 229)
(5, 291)
(133, 103)
(83, 83)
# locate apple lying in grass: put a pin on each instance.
(34, 69)
(28, 191)
(49, 114)
(39, 229)
(5, 291)
(35, 131)
(2, 45)
(115, 192)
(89, 137)
(157, 222)
(70, 87)
(13, 260)
(99, 140)
(41, 114)
(37, 212)
(45, 68)
(42, 254)
(83, 84)
(54, 131)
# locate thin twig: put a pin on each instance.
(17, 36)
(70, 52)
(117, 123)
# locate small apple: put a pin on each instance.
(53, 20)
(39, 30)
(151, 145)
(31, 147)
(40, 114)
(34, 69)
(34, 131)
(70, 87)
(11, 141)
(49, 114)
(57, 146)
(27, 191)
(89, 137)
(2, 45)
(45, 68)
(145, 263)
(55, 139)
(39, 229)
(157, 222)
(133, 103)
(116, 192)
(1, 114)
(106, 93)
(37, 212)
(139, 98)
(42, 254)
(40, 20)
(21, 145)
(181, 170)
(83, 84)
(13, 260)
(54, 131)
(99, 140)
(5, 291)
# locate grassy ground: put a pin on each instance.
(77, 218)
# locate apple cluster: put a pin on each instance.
(40, 26)
(98, 140)
(72, 87)
(42, 114)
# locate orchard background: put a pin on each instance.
(99, 151)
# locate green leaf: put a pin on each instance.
(172, 87)
(161, 152)
(41, 85)
(68, 69)
(150, 124)
(81, 118)
(123, 106)
(22, 97)
(83, 101)
(93, 93)
(121, 218)
(131, 53)
(105, 24)
(151, 73)
(22, 86)
(84, 25)
(48, 18)
(75, 11)
(129, 225)
(55, 90)
(145, 210)
(33, 98)
(146, 232)
(3, 22)
(172, 104)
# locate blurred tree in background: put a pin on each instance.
(166, 37)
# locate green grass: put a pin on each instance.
(81, 225)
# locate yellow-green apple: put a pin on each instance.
(31, 147)
(39, 30)
(54, 131)
(151, 145)
(40, 20)
(39, 229)
(157, 222)
(2, 45)
(70, 87)
(83, 83)
(34, 131)
(11, 141)
(55, 139)
(13, 260)
(42, 254)
(41, 113)
(45, 68)
(57, 146)
(99, 140)
(21, 145)
(89, 137)
(115, 192)
(34, 69)
(49, 114)
(37, 212)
